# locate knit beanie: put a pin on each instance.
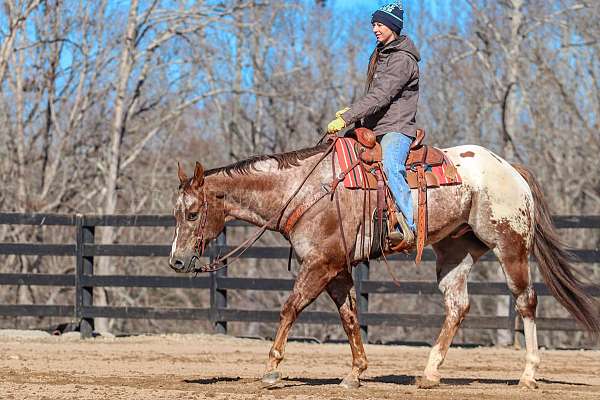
(391, 15)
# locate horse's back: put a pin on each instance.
(499, 192)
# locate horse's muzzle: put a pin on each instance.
(180, 265)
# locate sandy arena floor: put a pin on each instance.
(218, 367)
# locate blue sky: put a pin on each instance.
(417, 12)
(439, 8)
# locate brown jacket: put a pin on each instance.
(390, 105)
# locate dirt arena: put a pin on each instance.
(218, 367)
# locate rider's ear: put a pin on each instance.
(181, 173)
(198, 179)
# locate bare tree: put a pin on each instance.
(99, 99)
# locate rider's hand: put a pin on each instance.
(343, 110)
(331, 137)
(336, 125)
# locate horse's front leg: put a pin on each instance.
(340, 290)
(312, 280)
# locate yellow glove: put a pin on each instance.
(336, 125)
(339, 113)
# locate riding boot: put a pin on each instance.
(402, 240)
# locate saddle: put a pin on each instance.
(370, 154)
(426, 167)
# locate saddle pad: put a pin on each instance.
(346, 155)
(441, 176)
(445, 178)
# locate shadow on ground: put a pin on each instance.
(403, 380)
(210, 381)
(410, 380)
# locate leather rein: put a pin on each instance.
(221, 261)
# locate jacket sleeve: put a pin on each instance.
(384, 89)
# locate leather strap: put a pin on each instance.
(364, 223)
(334, 194)
(422, 213)
(337, 180)
(299, 212)
(381, 206)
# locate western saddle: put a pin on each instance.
(421, 159)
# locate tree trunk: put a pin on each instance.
(513, 86)
(119, 126)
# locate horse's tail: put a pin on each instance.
(555, 262)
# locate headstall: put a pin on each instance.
(200, 242)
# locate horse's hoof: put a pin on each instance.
(350, 383)
(426, 383)
(528, 383)
(271, 378)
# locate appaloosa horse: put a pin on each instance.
(501, 203)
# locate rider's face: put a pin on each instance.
(383, 34)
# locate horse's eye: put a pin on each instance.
(192, 216)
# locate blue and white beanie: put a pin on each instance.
(391, 15)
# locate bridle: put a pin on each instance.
(221, 262)
(200, 245)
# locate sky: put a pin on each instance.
(439, 8)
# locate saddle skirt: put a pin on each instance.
(439, 169)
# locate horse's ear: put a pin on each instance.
(181, 173)
(198, 179)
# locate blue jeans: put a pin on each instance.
(395, 148)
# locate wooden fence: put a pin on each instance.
(84, 250)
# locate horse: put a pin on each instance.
(501, 204)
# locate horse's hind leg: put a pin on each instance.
(311, 281)
(513, 256)
(340, 290)
(454, 259)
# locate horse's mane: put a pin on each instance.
(284, 161)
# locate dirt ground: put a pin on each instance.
(220, 367)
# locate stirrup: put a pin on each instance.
(396, 236)
(404, 239)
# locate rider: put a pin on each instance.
(389, 106)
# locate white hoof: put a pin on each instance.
(271, 378)
(350, 383)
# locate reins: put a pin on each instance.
(222, 261)
(237, 252)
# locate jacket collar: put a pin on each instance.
(392, 46)
(403, 43)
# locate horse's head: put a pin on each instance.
(200, 217)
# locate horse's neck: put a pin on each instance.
(258, 196)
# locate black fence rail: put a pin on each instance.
(85, 249)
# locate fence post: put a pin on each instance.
(84, 295)
(218, 297)
(361, 274)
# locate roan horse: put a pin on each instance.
(501, 203)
